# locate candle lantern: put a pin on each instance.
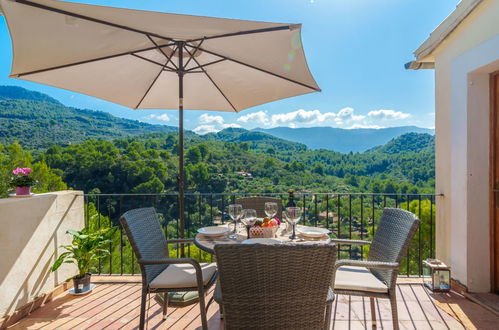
(436, 275)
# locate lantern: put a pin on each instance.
(436, 275)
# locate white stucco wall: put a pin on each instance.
(31, 230)
(463, 63)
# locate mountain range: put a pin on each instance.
(342, 140)
(37, 120)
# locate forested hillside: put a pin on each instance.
(96, 152)
(36, 120)
(148, 164)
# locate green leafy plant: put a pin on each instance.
(87, 246)
(22, 178)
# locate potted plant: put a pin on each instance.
(87, 247)
(22, 181)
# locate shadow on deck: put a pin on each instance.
(116, 306)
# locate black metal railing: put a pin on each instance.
(346, 215)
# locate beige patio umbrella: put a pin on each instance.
(152, 60)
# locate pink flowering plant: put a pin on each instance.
(22, 178)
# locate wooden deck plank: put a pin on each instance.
(117, 306)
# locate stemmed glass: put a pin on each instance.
(270, 209)
(293, 215)
(249, 219)
(235, 213)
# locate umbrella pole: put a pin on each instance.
(180, 298)
(181, 140)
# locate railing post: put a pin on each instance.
(350, 222)
(304, 203)
(211, 209)
(121, 239)
(420, 271)
(316, 210)
(327, 211)
(223, 209)
(431, 227)
(362, 225)
(98, 223)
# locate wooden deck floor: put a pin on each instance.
(116, 306)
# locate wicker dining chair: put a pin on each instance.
(258, 204)
(376, 277)
(275, 286)
(160, 273)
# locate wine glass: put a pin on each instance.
(270, 209)
(249, 219)
(293, 215)
(235, 213)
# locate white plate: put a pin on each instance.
(262, 241)
(312, 231)
(213, 231)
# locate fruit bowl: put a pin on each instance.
(263, 232)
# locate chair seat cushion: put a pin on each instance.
(182, 276)
(358, 279)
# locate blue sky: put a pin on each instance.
(356, 50)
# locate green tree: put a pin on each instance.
(47, 179)
(194, 155)
(153, 186)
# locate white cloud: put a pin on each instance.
(301, 118)
(212, 124)
(209, 119)
(205, 129)
(345, 117)
(259, 118)
(388, 115)
(162, 117)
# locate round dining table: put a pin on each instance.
(207, 243)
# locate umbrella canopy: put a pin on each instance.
(151, 60)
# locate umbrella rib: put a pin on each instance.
(213, 82)
(256, 68)
(164, 66)
(193, 53)
(233, 34)
(91, 19)
(168, 58)
(205, 65)
(150, 86)
(62, 66)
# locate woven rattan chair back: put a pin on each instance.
(275, 286)
(391, 240)
(258, 204)
(146, 237)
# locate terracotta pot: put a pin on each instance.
(81, 284)
(23, 191)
